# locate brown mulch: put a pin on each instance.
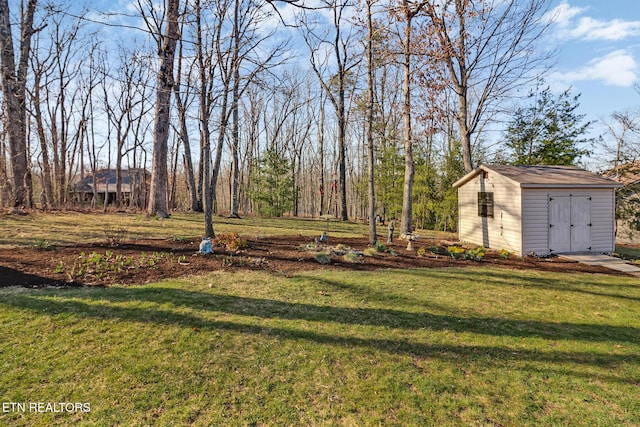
(34, 267)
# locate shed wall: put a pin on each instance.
(535, 218)
(503, 231)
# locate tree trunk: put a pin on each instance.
(409, 166)
(184, 137)
(235, 131)
(159, 178)
(373, 238)
(13, 88)
(46, 162)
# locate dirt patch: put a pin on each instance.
(145, 261)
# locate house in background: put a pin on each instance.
(628, 201)
(134, 187)
(537, 209)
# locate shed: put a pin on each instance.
(537, 209)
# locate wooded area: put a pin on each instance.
(332, 107)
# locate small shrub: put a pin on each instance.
(476, 254)
(351, 257)
(59, 268)
(421, 251)
(370, 251)
(504, 254)
(231, 241)
(323, 258)
(380, 247)
(392, 252)
(340, 247)
(434, 249)
(455, 251)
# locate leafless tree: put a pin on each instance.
(14, 78)
(489, 47)
(158, 195)
(338, 37)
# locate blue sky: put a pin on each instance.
(599, 54)
(598, 43)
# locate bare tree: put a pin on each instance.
(489, 48)
(129, 105)
(373, 238)
(14, 90)
(182, 103)
(334, 83)
(158, 203)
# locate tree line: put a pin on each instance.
(350, 108)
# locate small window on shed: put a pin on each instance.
(485, 204)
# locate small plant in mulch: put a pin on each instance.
(323, 258)
(434, 249)
(504, 254)
(230, 241)
(476, 254)
(352, 258)
(370, 252)
(455, 252)
(100, 266)
(421, 251)
(380, 247)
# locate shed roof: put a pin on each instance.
(544, 176)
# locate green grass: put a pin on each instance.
(424, 347)
(69, 228)
(627, 252)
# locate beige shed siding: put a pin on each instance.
(501, 231)
(535, 221)
(602, 220)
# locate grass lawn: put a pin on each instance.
(421, 347)
(626, 252)
(69, 228)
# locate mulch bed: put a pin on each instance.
(35, 267)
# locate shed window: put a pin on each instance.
(485, 204)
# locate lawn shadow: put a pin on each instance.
(101, 307)
(505, 278)
(13, 277)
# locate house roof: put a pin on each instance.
(626, 173)
(106, 180)
(543, 176)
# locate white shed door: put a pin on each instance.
(560, 224)
(569, 224)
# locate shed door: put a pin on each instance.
(560, 224)
(569, 224)
(580, 223)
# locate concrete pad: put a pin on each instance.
(605, 261)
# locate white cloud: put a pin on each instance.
(563, 14)
(569, 24)
(618, 68)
